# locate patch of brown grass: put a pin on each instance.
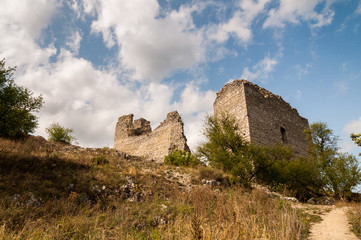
(68, 207)
(354, 217)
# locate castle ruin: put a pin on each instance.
(137, 138)
(262, 117)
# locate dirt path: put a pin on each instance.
(333, 226)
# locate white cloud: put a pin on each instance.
(90, 100)
(358, 9)
(20, 27)
(261, 70)
(240, 25)
(193, 100)
(73, 42)
(352, 127)
(193, 105)
(295, 11)
(150, 45)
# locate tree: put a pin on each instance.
(226, 149)
(58, 133)
(357, 139)
(339, 171)
(16, 106)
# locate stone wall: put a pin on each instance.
(263, 117)
(137, 138)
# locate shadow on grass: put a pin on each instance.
(45, 177)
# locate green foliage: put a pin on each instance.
(226, 149)
(343, 174)
(100, 160)
(339, 172)
(181, 158)
(276, 166)
(357, 139)
(16, 105)
(58, 133)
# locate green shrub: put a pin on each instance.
(100, 160)
(17, 105)
(181, 158)
(225, 149)
(58, 133)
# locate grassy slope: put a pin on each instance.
(50, 191)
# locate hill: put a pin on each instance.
(54, 191)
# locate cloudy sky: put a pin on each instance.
(95, 60)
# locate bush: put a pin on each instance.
(181, 158)
(101, 160)
(272, 165)
(16, 105)
(227, 150)
(58, 133)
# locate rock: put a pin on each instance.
(32, 201)
(212, 182)
(15, 199)
(291, 199)
(321, 200)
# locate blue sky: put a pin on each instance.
(96, 60)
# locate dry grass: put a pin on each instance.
(78, 198)
(354, 217)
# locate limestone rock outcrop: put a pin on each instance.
(262, 117)
(137, 138)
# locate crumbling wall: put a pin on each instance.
(137, 138)
(263, 117)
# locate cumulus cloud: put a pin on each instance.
(149, 45)
(352, 127)
(90, 99)
(261, 70)
(20, 28)
(194, 105)
(295, 11)
(73, 42)
(240, 25)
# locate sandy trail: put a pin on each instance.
(334, 226)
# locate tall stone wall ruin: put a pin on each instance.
(137, 138)
(263, 117)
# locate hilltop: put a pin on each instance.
(55, 191)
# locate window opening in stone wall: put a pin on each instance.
(284, 135)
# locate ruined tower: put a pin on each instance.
(137, 138)
(262, 117)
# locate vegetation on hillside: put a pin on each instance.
(339, 172)
(17, 105)
(56, 191)
(325, 171)
(357, 139)
(58, 133)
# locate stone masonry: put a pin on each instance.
(262, 117)
(137, 138)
